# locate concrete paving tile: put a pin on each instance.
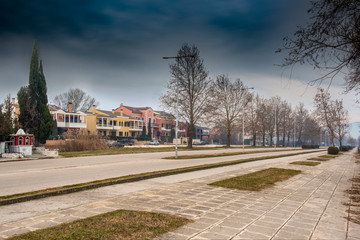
(223, 211)
(267, 231)
(328, 234)
(238, 224)
(244, 214)
(15, 232)
(211, 235)
(214, 215)
(354, 230)
(247, 235)
(65, 219)
(284, 235)
(201, 208)
(222, 230)
(300, 231)
(300, 224)
(171, 209)
(187, 231)
(271, 224)
(208, 221)
(4, 228)
(191, 212)
(198, 225)
(42, 225)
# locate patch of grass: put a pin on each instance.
(319, 159)
(121, 224)
(305, 163)
(224, 154)
(257, 181)
(21, 197)
(131, 150)
(328, 156)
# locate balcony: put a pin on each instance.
(71, 125)
(165, 129)
(107, 127)
(135, 129)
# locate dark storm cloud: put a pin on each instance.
(44, 18)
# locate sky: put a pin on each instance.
(113, 49)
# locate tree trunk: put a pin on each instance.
(191, 135)
(254, 139)
(228, 136)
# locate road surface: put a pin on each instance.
(25, 176)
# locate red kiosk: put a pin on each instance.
(21, 143)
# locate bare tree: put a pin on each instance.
(300, 119)
(351, 141)
(253, 116)
(330, 41)
(190, 80)
(79, 99)
(228, 102)
(341, 121)
(324, 111)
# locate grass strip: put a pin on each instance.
(22, 197)
(128, 151)
(257, 181)
(319, 159)
(120, 224)
(140, 150)
(305, 163)
(223, 154)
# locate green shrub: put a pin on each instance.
(309, 146)
(333, 150)
(346, 148)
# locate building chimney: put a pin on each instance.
(13, 100)
(121, 112)
(93, 108)
(70, 107)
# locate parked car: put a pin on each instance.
(126, 141)
(199, 143)
(117, 144)
(154, 142)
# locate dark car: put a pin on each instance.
(199, 143)
(117, 144)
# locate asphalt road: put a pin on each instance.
(24, 176)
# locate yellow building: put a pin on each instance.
(110, 123)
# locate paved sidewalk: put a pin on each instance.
(307, 206)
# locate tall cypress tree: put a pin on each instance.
(149, 129)
(34, 114)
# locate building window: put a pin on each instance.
(20, 140)
(104, 133)
(27, 141)
(111, 122)
(120, 134)
(113, 133)
(115, 123)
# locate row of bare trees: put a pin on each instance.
(332, 115)
(229, 106)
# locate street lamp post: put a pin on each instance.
(177, 105)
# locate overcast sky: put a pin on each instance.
(113, 49)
